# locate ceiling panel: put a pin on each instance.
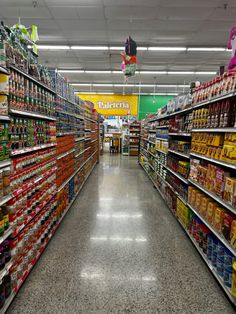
(186, 13)
(129, 12)
(25, 12)
(63, 12)
(146, 3)
(191, 3)
(68, 3)
(90, 12)
(220, 14)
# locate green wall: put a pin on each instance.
(150, 104)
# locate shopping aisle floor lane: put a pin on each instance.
(120, 250)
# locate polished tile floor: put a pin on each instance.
(120, 250)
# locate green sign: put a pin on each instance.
(150, 104)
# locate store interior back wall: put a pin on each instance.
(150, 104)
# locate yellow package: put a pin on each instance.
(210, 211)
(204, 203)
(218, 218)
(198, 201)
(229, 189)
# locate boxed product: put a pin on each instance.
(230, 186)
(218, 218)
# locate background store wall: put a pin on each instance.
(141, 106)
(150, 104)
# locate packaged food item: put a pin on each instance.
(233, 289)
(210, 211)
(218, 218)
(230, 184)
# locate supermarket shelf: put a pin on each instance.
(135, 130)
(65, 154)
(67, 181)
(79, 139)
(161, 151)
(87, 138)
(66, 133)
(212, 195)
(152, 131)
(73, 103)
(218, 130)
(222, 239)
(72, 114)
(151, 167)
(177, 175)
(4, 118)
(161, 139)
(162, 127)
(151, 142)
(5, 199)
(179, 153)
(5, 163)
(13, 294)
(215, 161)
(172, 114)
(218, 278)
(32, 78)
(89, 119)
(94, 140)
(180, 134)
(5, 270)
(212, 269)
(76, 156)
(4, 70)
(31, 114)
(31, 149)
(87, 130)
(6, 234)
(133, 135)
(214, 99)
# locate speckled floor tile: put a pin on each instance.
(120, 250)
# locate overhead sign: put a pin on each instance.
(113, 105)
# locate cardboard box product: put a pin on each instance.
(210, 211)
(220, 181)
(226, 226)
(204, 204)
(218, 218)
(228, 194)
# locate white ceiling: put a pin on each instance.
(169, 23)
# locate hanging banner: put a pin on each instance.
(113, 105)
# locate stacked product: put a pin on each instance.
(42, 162)
(134, 138)
(200, 185)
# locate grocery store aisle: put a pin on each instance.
(120, 250)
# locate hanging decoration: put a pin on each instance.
(129, 58)
(232, 45)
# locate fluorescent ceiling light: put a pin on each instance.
(142, 48)
(152, 72)
(167, 48)
(206, 73)
(117, 72)
(53, 47)
(81, 84)
(129, 85)
(97, 72)
(89, 47)
(158, 94)
(206, 49)
(180, 72)
(71, 71)
(116, 48)
(102, 85)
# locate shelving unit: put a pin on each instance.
(54, 142)
(173, 187)
(133, 139)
